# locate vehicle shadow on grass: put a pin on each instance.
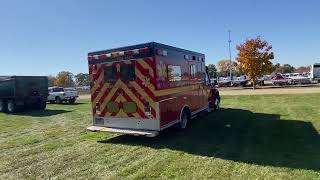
(67, 104)
(242, 136)
(43, 113)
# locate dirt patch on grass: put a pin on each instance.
(85, 96)
(300, 90)
(232, 92)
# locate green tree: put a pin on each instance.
(302, 69)
(82, 79)
(64, 79)
(224, 67)
(254, 58)
(287, 68)
(212, 71)
(51, 80)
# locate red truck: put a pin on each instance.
(145, 88)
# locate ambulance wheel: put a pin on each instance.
(42, 105)
(185, 117)
(11, 106)
(2, 106)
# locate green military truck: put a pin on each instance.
(23, 92)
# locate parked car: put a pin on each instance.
(23, 92)
(60, 94)
(279, 80)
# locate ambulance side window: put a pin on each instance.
(174, 73)
(193, 71)
(110, 74)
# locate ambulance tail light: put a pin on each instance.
(128, 53)
(98, 110)
(144, 50)
(90, 58)
(147, 109)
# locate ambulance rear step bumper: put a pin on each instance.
(134, 132)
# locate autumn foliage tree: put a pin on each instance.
(254, 58)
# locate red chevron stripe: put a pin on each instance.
(145, 72)
(151, 63)
(153, 112)
(147, 90)
(114, 96)
(139, 96)
(95, 94)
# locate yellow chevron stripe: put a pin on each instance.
(175, 90)
(146, 66)
(142, 77)
(110, 94)
(145, 95)
(97, 82)
(121, 114)
(136, 114)
(133, 97)
(99, 95)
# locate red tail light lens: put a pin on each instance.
(144, 50)
(128, 53)
(147, 109)
(90, 58)
(102, 56)
(98, 111)
(159, 52)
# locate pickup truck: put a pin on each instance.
(59, 94)
(23, 92)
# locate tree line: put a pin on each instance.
(68, 79)
(254, 59)
(222, 69)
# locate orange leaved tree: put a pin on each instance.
(254, 58)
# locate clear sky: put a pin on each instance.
(41, 37)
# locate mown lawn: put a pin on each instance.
(252, 137)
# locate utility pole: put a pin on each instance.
(230, 65)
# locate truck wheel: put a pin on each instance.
(216, 105)
(72, 101)
(185, 117)
(58, 100)
(2, 106)
(11, 106)
(42, 105)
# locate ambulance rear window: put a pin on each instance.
(110, 74)
(127, 72)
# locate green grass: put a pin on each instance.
(252, 137)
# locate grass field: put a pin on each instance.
(251, 137)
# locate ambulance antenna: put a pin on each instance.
(230, 65)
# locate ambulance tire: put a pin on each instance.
(185, 117)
